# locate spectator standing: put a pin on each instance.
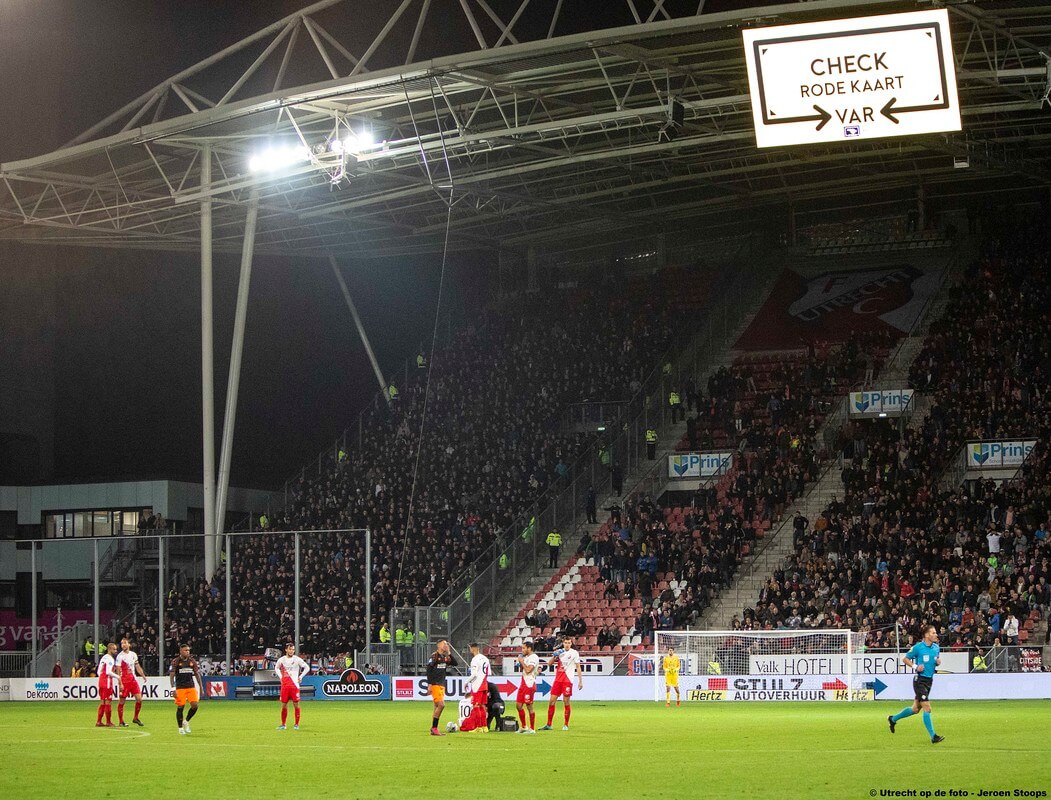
(554, 545)
(993, 538)
(1011, 629)
(617, 478)
(590, 502)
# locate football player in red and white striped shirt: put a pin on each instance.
(130, 670)
(481, 669)
(291, 669)
(567, 662)
(108, 680)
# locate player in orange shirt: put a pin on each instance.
(183, 674)
(437, 670)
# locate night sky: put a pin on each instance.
(106, 343)
(100, 349)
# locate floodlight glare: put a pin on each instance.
(362, 140)
(276, 158)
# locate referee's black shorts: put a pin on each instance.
(921, 688)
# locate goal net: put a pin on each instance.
(763, 665)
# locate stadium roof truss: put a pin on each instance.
(533, 140)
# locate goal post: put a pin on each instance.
(763, 665)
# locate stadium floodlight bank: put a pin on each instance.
(763, 665)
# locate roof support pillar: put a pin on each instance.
(207, 366)
(233, 383)
(360, 327)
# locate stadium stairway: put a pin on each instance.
(754, 573)
(574, 590)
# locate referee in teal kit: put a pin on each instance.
(923, 658)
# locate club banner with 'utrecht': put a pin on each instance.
(833, 306)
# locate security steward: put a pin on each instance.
(978, 663)
(651, 444)
(554, 544)
(675, 403)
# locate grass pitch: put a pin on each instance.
(614, 750)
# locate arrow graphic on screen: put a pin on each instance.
(890, 109)
(821, 118)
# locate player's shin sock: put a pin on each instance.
(109, 714)
(434, 724)
(532, 719)
(550, 713)
(927, 723)
(667, 695)
(178, 715)
(138, 708)
(521, 716)
(905, 712)
(102, 710)
(297, 715)
(120, 713)
(565, 713)
(284, 715)
(190, 713)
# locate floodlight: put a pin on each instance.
(276, 158)
(358, 141)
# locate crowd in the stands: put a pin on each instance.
(768, 411)
(902, 546)
(492, 442)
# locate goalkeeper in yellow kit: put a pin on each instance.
(671, 665)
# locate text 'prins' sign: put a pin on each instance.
(880, 402)
(699, 465)
(997, 455)
(848, 79)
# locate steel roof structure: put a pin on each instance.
(537, 137)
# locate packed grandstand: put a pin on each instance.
(899, 542)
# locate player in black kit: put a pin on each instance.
(182, 674)
(437, 669)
